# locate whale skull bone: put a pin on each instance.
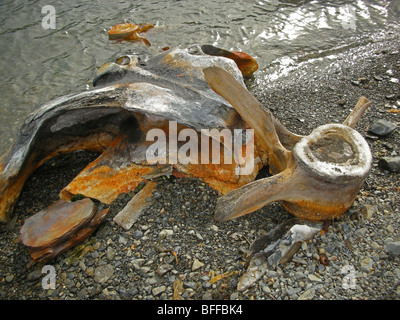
(315, 177)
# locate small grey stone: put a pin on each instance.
(206, 285)
(391, 97)
(34, 275)
(137, 234)
(158, 290)
(110, 253)
(391, 164)
(103, 273)
(234, 296)
(190, 284)
(207, 296)
(163, 269)
(314, 278)
(82, 294)
(366, 264)
(122, 240)
(393, 247)
(368, 211)
(382, 127)
(166, 233)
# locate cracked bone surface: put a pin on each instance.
(128, 101)
(319, 178)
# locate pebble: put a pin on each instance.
(166, 233)
(313, 277)
(368, 211)
(158, 290)
(163, 269)
(366, 264)
(393, 247)
(382, 128)
(197, 265)
(103, 273)
(9, 278)
(391, 164)
(137, 234)
(110, 253)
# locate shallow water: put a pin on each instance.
(39, 64)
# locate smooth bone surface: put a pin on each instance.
(59, 227)
(319, 179)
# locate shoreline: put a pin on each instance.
(119, 264)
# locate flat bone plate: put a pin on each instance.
(56, 222)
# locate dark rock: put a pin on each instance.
(137, 234)
(34, 275)
(393, 247)
(382, 128)
(391, 164)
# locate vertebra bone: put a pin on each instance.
(319, 179)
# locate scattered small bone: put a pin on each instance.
(159, 172)
(135, 207)
(222, 276)
(277, 247)
(290, 253)
(257, 268)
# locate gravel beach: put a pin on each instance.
(177, 250)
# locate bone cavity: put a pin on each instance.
(334, 152)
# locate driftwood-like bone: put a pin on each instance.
(319, 179)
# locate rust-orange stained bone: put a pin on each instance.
(246, 63)
(129, 100)
(59, 227)
(316, 177)
(129, 32)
